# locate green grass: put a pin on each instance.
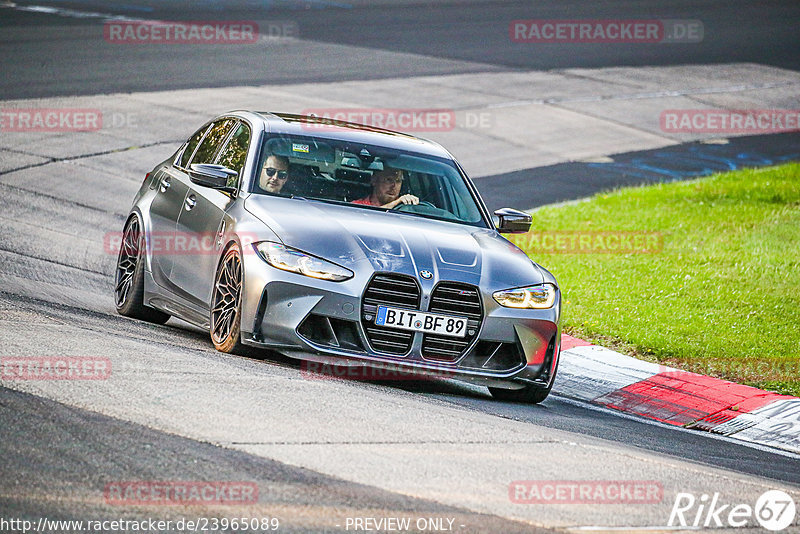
(723, 295)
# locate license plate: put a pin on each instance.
(433, 323)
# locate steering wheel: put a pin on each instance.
(421, 203)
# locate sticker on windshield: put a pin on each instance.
(297, 147)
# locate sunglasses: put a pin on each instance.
(282, 175)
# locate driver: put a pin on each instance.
(274, 174)
(386, 185)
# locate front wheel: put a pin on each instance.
(226, 303)
(129, 277)
(528, 394)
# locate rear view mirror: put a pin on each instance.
(511, 221)
(301, 148)
(213, 176)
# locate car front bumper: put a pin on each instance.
(321, 321)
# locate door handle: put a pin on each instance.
(190, 202)
(164, 184)
(220, 234)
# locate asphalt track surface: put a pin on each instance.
(571, 180)
(380, 40)
(57, 457)
(111, 450)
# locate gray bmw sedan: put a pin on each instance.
(343, 245)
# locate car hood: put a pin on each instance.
(359, 238)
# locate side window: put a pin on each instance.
(214, 138)
(191, 145)
(234, 154)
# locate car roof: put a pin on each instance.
(327, 128)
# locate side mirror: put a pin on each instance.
(213, 176)
(511, 221)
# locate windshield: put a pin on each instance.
(365, 177)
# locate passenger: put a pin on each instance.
(386, 185)
(274, 174)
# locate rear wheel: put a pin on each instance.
(226, 303)
(129, 277)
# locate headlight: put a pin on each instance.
(292, 260)
(538, 297)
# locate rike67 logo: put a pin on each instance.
(774, 510)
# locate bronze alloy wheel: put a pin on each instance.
(129, 277)
(226, 302)
(127, 261)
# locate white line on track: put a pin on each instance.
(64, 12)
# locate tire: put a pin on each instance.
(226, 304)
(529, 394)
(129, 277)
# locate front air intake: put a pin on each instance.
(453, 298)
(394, 290)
